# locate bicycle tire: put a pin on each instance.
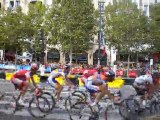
(42, 111)
(52, 102)
(1, 95)
(69, 102)
(125, 107)
(80, 93)
(80, 107)
(154, 108)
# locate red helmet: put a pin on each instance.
(34, 67)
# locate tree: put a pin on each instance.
(34, 25)
(155, 26)
(71, 24)
(11, 32)
(126, 26)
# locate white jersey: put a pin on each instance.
(55, 73)
(143, 79)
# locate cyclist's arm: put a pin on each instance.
(109, 94)
(32, 79)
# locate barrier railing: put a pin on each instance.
(20, 67)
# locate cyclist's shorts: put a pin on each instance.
(54, 80)
(19, 86)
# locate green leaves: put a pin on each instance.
(11, 28)
(125, 27)
(71, 24)
(155, 26)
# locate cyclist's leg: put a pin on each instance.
(102, 92)
(69, 83)
(57, 85)
(101, 88)
(59, 89)
(21, 86)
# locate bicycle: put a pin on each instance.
(132, 107)
(37, 102)
(49, 96)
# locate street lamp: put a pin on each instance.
(101, 10)
(43, 46)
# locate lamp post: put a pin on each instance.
(43, 46)
(100, 6)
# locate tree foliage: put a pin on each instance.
(11, 24)
(126, 26)
(71, 24)
(155, 26)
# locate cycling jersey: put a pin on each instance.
(89, 82)
(141, 81)
(54, 74)
(21, 75)
(20, 78)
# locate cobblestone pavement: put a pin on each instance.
(56, 114)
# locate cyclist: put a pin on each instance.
(86, 74)
(54, 82)
(21, 81)
(97, 83)
(67, 69)
(143, 85)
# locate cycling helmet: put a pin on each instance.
(67, 66)
(53, 67)
(34, 66)
(110, 73)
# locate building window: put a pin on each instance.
(145, 9)
(17, 3)
(11, 4)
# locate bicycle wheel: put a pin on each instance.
(154, 107)
(109, 109)
(123, 110)
(129, 109)
(39, 107)
(1, 95)
(71, 100)
(82, 111)
(50, 98)
(81, 94)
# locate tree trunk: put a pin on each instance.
(128, 63)
(70, 55)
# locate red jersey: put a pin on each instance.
(23, 75)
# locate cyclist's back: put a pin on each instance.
(21, 74)
(141, 80)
